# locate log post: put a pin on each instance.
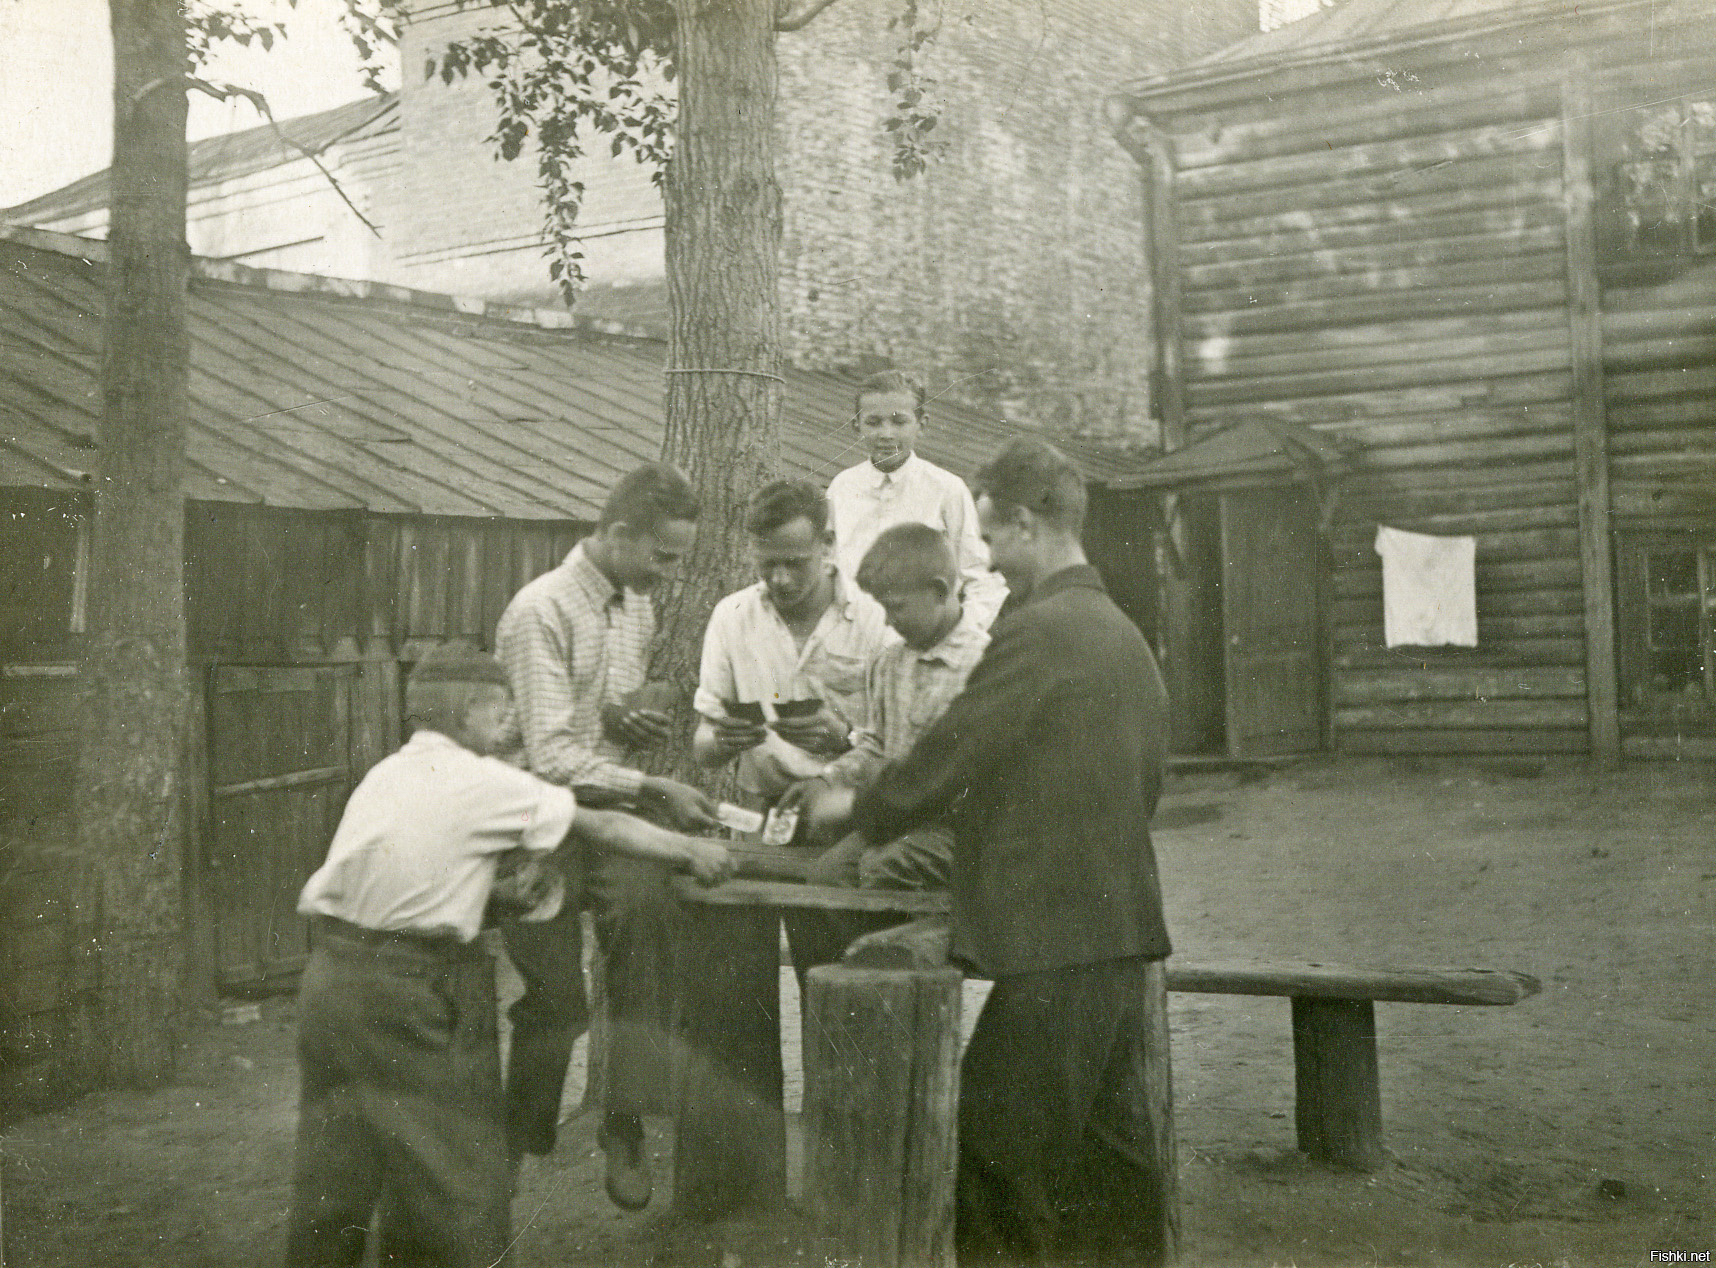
(1337, 1097)
(1590, 420)
(729, 1128)
(881, 1079)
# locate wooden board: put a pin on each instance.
(279, 760)
(782, 894)
(1464, 742)
(1337, 1096)
(1590, 432)
(1456, 714)
(1460, 104)
(1354, 687)
(1353, 982)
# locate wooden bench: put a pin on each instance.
(1337, 1099)
(730, 1128)
(1337, 1096)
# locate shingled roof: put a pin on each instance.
(317, 393)
(229, 154)
(1355, 28)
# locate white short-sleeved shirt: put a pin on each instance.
(749, 655)
(416, 848)
(863, 501)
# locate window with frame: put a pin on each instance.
(1666, 180)
(1667, 611)
(44, 548)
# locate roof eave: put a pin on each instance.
(1147, 96)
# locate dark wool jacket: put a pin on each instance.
(1048, 765)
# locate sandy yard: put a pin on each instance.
(1577, 1128)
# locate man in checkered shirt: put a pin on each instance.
(575, 644)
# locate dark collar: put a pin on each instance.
(1067, 579)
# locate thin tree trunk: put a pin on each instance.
(723, 249)
(129, 908)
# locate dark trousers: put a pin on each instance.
(1059, 1146)
(633, 910)
(400, 1105)
(922, 859)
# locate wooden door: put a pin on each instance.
(1271, 623)
(1196, 665)
(279, 760)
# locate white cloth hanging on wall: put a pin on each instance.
(1429, 589)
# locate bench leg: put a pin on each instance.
(729, 1130)
(1338, 1100)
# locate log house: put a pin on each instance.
(1470, 245)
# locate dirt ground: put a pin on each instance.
(1576, 1128)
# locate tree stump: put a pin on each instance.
(881, 1091)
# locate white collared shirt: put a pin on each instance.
(417, 844)
(863, 501)
(749, 654)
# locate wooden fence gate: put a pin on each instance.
(280, 768)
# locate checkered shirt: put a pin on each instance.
(571, 642)
(906, 690)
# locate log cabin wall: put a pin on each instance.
(1395, 247)
(1654, 160)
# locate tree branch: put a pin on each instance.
(789, 20)
(222, 92)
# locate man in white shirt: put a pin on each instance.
(897, 486)
(803, 636)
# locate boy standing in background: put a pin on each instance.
(897, 486)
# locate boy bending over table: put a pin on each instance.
(400, 1101)
(911, 572)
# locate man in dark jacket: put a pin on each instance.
(1048, 766)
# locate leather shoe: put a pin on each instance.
(628, 1180)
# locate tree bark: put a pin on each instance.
(129, 905)
(723, 246)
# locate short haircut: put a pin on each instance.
(443, 685)
(648, 497)
(909, 557)
(780, 502)
(890, 381)
(440, 705)
(1033, 474)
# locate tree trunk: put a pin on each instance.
(129, 908)
(723, 247)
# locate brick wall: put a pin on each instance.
(469, 223)
(1011, 273)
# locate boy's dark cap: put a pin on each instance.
(459, 661)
